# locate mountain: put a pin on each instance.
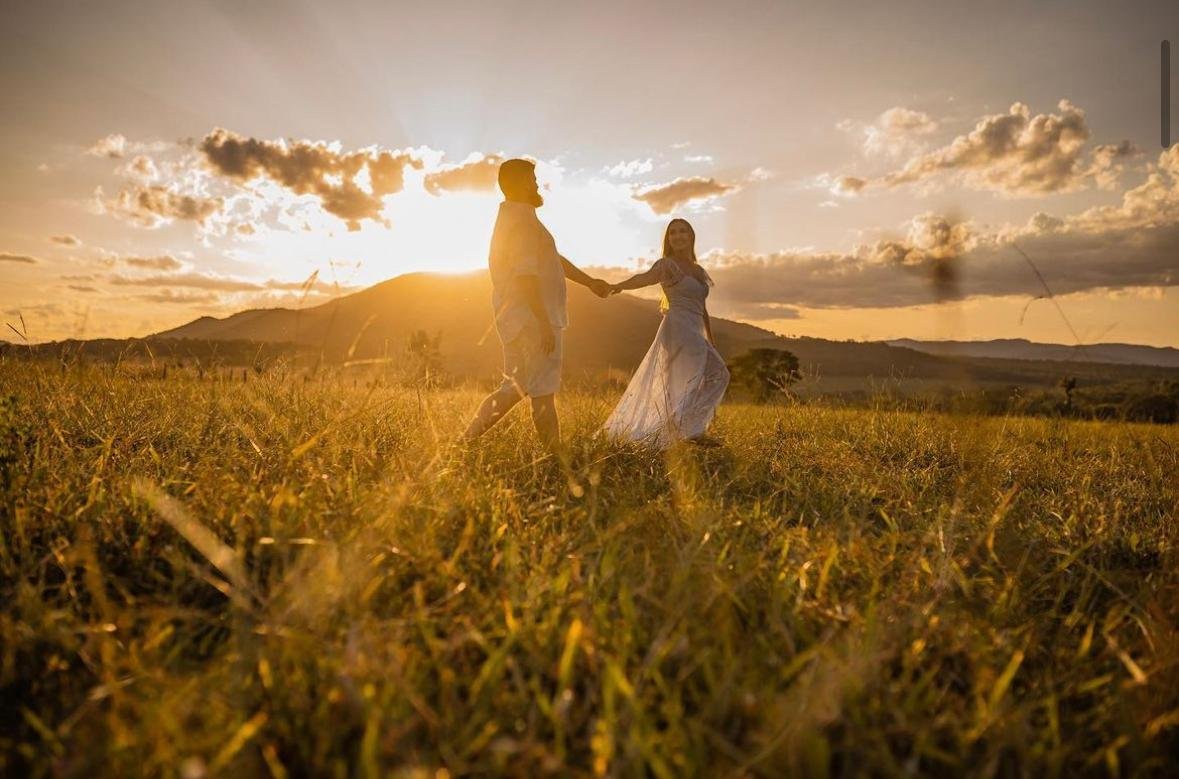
(605, 336)
(1021, 349)
(377, 321)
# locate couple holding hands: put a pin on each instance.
(674, 392)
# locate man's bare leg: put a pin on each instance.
(491, 410)
(544, 419)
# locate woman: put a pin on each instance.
(678, 385)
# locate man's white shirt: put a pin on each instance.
(522, 246)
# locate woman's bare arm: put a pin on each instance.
(645, 279)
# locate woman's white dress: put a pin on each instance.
(681, 380)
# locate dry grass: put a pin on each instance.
(301, 579)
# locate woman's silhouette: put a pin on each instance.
(674, 393)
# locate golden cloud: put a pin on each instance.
(312, 168)
(665, 198)
(1014, 153)
(162, 262)
(1133, 244)
(476, 174)
(897, 131)
(152, 206)
(113, 146)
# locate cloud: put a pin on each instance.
(113, 146)
(477, 173)
(227, 284)
(154, 205)
(141, 167)
(81, 288)
(898, 131)
(349, 185)
(65, 240)
(189, 280)
(665, 198)
(162, 262)
(79, 277)
(1107, 162)
(766, 311)
(22, 258)
(1015, 154)
(848, 185)
(182, 298)
(316, 287)
(630, 169)
(1133, 244)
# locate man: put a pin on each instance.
(528, 296)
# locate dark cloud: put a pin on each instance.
(22, 258)
(81, 288)
(665, 198)
(307, 168)
(65, 240)
(152, 206)
(478, 174)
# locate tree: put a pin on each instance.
(766, 371)
(1155, 407)
(425, 358)
(1068, 384)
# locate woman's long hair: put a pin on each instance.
(665, 304)
(667, 238)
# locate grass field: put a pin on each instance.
(290, 578)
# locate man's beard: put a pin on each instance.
(532, 198)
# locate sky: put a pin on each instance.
(852, 171)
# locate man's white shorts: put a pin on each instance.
(527, 368)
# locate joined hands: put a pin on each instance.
(603, 288)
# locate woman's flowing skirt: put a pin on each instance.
(676, 388)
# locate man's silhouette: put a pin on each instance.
(528, 296)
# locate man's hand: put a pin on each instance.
(548, 339)
(601, 288)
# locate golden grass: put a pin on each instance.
(301, 578)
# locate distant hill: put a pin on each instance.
(377, 321)
(605, 336)
(1021, 349)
